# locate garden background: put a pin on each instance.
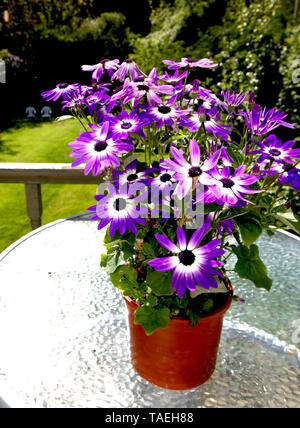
(45, 42)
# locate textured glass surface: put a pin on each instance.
(63, 330)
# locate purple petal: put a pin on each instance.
(181, 238)
(195, 153)
(197, 236)
(164, 264)
(165, 242)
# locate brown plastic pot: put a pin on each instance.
(177, 357)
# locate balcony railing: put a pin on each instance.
(33, 175)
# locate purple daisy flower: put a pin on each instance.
(206, 119)
(164, 114)
(122, 125)
(64, 90)
(120, 209)
(192, 265)
(131, 176)
(232, 186)
(232, 99)
(106, 65)
(173, 79)
(189, 174)
(276, 151)
(260, 121)
(127, 67)
(146, 87)
(98, 149)
(164, 182)
(189, 63)
(292, 177)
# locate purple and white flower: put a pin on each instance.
(189, 63)
(232, 185)
(121, 126)
(276, 151)
(131, 176)
(260, 121)
(205, 118)
(64, 90)
(121, 209)
(127, 67)
(164, 114)
(106, 65)
(191, 264)
(189, 174)
(98, 149)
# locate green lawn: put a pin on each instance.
(45, 142)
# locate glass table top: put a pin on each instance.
(64, 340)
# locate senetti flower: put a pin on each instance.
(98, 149)
(205, 118)
(163, 114)
(63, 90)
(192, 265)
(106, 65)
(164, 182)
(131, 176)
(148, 88)
(127, 67)
(189, 174)
(189, 63)
(232, 185)
(292, 177)
(260, 121)
(173, 79)
(276, 151)
(121, 209)
(121, 126)
(231, 99)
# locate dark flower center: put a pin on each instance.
(274, 152)
(164, 109)
(165, 177)
(227, 183)
(143, 88)
(132, 177)
(100, 146)
(63, 85)
(120, 204)
(128, 60)
(126, 125)
(190, 61)
(187, 257)
(195, 171)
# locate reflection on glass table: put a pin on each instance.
(64, 340)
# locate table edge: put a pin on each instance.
(24, 238)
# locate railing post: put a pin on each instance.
(34, 204)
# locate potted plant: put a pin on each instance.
(190, 178)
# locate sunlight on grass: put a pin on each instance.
(46, 142)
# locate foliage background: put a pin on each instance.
(256, 43)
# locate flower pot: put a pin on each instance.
(177, 357)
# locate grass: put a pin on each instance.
(39, 142)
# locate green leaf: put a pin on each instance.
(288, 218)
(124, 278)
(148, 250)
(103, 262)
(160, 283)
(250, 266)
(113, 261)
(250, 229)
(151, 318)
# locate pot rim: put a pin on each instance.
(212, 315)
